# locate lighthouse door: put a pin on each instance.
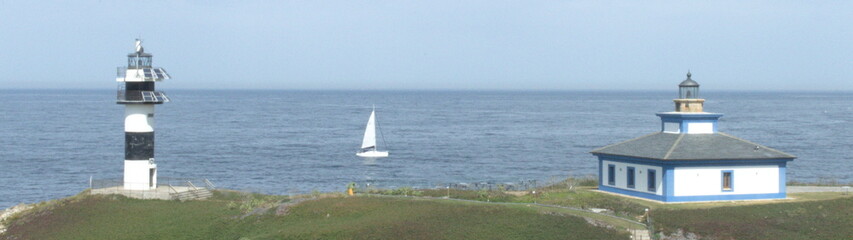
(151, 177)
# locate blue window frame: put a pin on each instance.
(728, 180)
(631, 176)
(611, 174)
(652, 180)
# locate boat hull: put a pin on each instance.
(372, 154)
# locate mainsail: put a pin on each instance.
(370, 132)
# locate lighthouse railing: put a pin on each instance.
(120, 93)
(123, 96)
(121, 72)
(165, 189)
(209, 184)
(172, 189)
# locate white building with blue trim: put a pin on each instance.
(689, 160)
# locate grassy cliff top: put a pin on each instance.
(252, 216)
(479, 214)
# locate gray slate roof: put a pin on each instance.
(670, 146)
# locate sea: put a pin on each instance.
(52, 142)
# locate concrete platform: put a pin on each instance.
(161, 192)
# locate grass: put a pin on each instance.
(819, 219)
(324, 217)
(570, 193)
(237, 215)
(609, 220)
(822, 181)
(585, 198)
(113, 217)
(821, 215)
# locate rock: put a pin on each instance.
(681, 235)
(598, 210)
(6, 214)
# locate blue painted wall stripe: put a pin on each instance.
(600, 172)
(726, 197)
(668, 178)
(626, 159)
(668, 182)
(782, 179)
(729, 197)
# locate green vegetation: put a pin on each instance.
(584, 198)
(248, 202)
(822, 181)
(570, 193)
(821, 215)
(826, 219)
(234, 215)
(114, 217)
(408, 213)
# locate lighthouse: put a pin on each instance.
(690, 160)
(137, 93)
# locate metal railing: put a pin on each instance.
(184, 182)
(123, 96)
(142, 73)
(117, 186)
(650, 225)
(121, 72)
(209, 184)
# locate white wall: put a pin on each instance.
(135, 75)
(132, 75)
(700, 127)
(699, 181)
(136, 174)
(136, 118)
(640, 173)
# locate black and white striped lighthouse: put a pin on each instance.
(136, 92)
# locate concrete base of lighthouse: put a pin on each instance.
(140, 175)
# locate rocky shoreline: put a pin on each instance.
(12, 211)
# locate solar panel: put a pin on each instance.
(162, 73)
(155, 73)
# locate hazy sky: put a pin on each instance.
(553, 45)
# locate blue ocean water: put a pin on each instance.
(284, 142)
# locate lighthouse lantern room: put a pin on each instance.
(137, 93)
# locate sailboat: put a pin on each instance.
(368, 145)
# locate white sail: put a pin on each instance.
(370, 132)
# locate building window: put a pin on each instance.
(611, 174)
(630, 177)
(728, 181)
(652, 180)
(672, 127)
